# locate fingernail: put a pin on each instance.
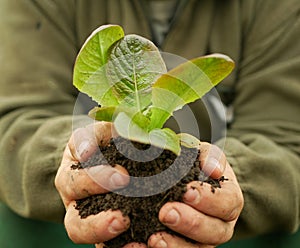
(158, 242)
(161, 244)
(214, 163)
(192, 196)
(117, 180)
(211, 165)
(116, 227)
(172, 218)
(83, 148)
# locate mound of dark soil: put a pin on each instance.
(142, 199)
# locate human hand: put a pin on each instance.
(205, 217)
(77, 184)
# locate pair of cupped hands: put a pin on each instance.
(206, 217)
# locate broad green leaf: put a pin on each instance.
(186, 83)
(90, 67)
(163, 138)
(134, 65)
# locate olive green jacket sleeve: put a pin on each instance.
(263, 142)
(36, 104)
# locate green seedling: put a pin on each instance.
(127, 77)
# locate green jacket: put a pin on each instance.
(39, 43)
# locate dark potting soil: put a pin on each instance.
(154, 182)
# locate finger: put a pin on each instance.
(225, 203)
(95, 228)
(195, 225)
(162, 239)
(78, 184)
(213, 160)
(135, 245)
(85, 141)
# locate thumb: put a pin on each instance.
(212, 160)
(85, 141)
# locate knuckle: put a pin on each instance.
(60, 180)
(240, 201)
(69, 193)
(79, 132)
(225, 235)
(70, 184)
(74, 237)
(73, 233)
(232, 215)
(216, 234)
(57, 181)
(233, 207)
(193, 226)
(237, 204)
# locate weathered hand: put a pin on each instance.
(77, 184)
(205, 217)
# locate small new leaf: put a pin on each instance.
(164, 138)
(188, 140)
